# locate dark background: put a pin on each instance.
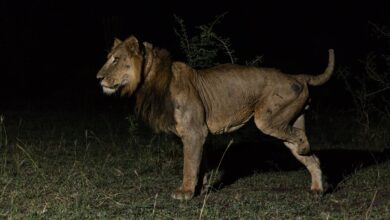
(52, 50)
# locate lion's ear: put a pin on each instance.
(148, 45)
(116, 42)
(132, 43)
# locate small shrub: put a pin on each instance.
(369, 90)
(205, 48)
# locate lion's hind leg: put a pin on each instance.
(311, 162)
(274, 116)
(295, 139)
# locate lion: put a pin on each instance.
(173, 97)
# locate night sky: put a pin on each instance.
(52, 50)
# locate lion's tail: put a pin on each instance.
(317, 80)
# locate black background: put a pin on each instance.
(52, 50)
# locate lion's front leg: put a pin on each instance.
(192, 150)
(192, 130)
(189, 115)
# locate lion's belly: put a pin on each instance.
(228, 123)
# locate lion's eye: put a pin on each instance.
(116, 59)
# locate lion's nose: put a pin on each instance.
(99, 76)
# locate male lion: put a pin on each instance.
(173, 97)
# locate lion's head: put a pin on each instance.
(122, 71)
(140, 68)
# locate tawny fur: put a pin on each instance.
(173, 97)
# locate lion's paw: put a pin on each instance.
(317, 193)
(182, 194)
(319, 190)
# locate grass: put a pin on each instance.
(56, 167)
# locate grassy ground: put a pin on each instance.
(91, 168)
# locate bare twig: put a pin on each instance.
(371, 204)
(35, 165)
(154, 204)
(211, 179)
(225, 44)
(383, 30)
(377, 92)
(183, 36)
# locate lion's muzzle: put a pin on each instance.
(108, 86)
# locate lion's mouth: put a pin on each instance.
(110, 89)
